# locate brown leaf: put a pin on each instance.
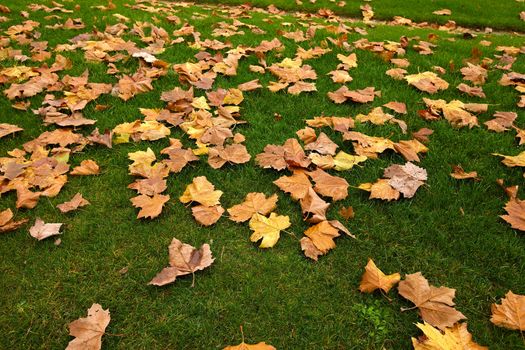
(254, 202)
(328, 185)
(435, 304)
(347, 213)
(471, 91)
(272, 157)
(207, 216)
(422, 135)
(26, 199)
(511, 313)
(409, 149)
(460, 174)
(150, 186)
(502, 121)
(313, 207)
(309, 248)
(398, 107)
(86, 167)
(235, 154)
(474, 73)
(297, 185)
(515, 209)
(6, 129)
(7, 223)
(405, 178)
(427, 82)
(89, 330)
(323, 145)
(250, 85)
(453, 338)
(374, 278)
(149, 206)
(40, 230)
(244, 346)
(201, 191)
(184, 260)
(381, 189)
(76, 202)
(322, 236)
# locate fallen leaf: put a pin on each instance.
(374, 278)
(460, 174)
(7, 223)
(76, 202)
(452, 338)
(268, 228)
(254, 202)
(347, 213)
(344, 161)
(511, 313)
(427, 82)
(502, 121)
(207, 216)
(201, 191)
(398, 107)
(40, 230)
(313, 207)
(184, 260)
(88, 331)
(405, 178)
(297, 185)
(150, 207)
(328, 185)
(435, 304)
(6, 129)
(515, 209)
(244, 346)
(86, 167)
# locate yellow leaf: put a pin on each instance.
(453, 338)
(512, 161)
(268, 228)
(345, 161)
(374, 278)
(201, 191)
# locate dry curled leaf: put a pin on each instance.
(297, 185)
(184, 260)
(374, 278)
(452, 338)
(459, 174)
(436, 305)
(88, 331)
(40, 230)
(328, 185)
(427, 82)
(86, 167)
(7, 223)
(201, 191)
(515, 209)
(7, 129)
(76, 202)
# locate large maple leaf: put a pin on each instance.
(89, 330)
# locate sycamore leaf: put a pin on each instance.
(322, 237)
(380, 189)
(435, 304)
(268, 228)
(474, 73)
(409, 149)
(374, 278)
(329, 186)
(502, 121)
(244, 346)
(398, 107)
(150, 207)
(422, 135)
(459, 174)
(184, 260)
(452, 338)
(235, 154)
(297, 185)
(40, 230)
(511, 313)
(344, 161)
(86, 167)
(406, 178)
(88, 331)
(207, 216)
(201, 191)
(76, 202)
(254, 202)
(515, 209)
(322, 145)
(427, 82)
(313, 207)
(7, 223)
(6, 129)
(512, 161)
(309, 248)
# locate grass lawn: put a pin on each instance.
(479, 14)
(450, 230)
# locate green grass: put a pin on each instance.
(277, 294)
(502, 14)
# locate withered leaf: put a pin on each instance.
(328, 185)
(456, 337)
(460, 174)
(255, 202)
(511, 313)
(86, 167)
(76, 202)
(374, 278)
(207, 216)
(268, 228)
(88, 331)
(40, 230)
(297, 184)
(515, 209)
(7, 129)
(435, 304)
(184, 260)
(201, 191)
(150, 206)
(7, 223)
(405, 178)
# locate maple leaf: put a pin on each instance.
(515, 209)
(398, 107)
(184, 260)
(347, 213)
(322, 145)
(86, 167)
(244, 346)
(7, 223)
(374, 278)
(452, 338)
(427, 82)
(313, 207)
(201, 191)
(320, 238)
(349, 61)
(149, 206)
(235, 154)
(422, 135)
(475, 74)
(405, 178)
(511, 313)
(328, 185)
(149, 186)
(268, 228)
(512, 161)
(40, 230)
(344, 161)
(88, 331)
(435, 304)
(297, 184)
(7, 129)
(272, 157)
(76, 202)
(380, 189)
(207, 216)
(502, 121)
(471, 91)
(26, 198)
(255, 202)
(460, 174)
